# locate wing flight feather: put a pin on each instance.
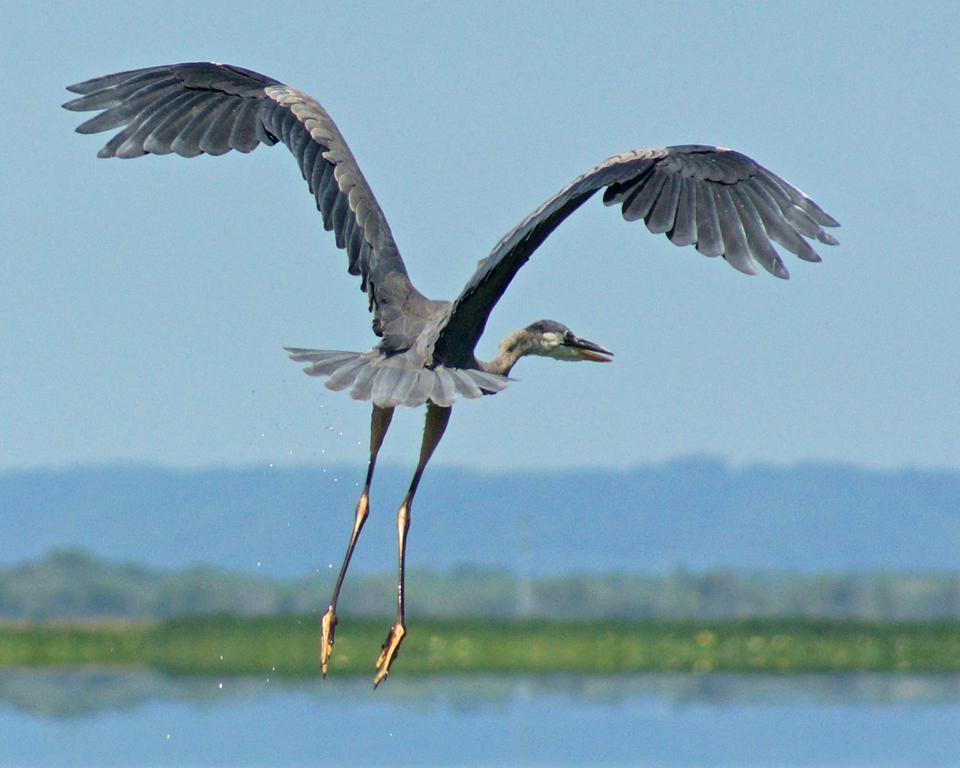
(207, 108)
(720, 201)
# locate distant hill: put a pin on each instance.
(696, 513)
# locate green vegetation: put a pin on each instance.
(287, 646)
(72, 584)
(71, 609)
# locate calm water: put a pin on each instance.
(145, 719)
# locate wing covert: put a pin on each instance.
(718, 200)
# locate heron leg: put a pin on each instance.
(433, 429)
(379, 422)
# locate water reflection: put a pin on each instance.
(69, 693)
(124, 718)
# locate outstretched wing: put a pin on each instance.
(197, 108)
(719, 200)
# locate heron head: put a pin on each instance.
(549, 338)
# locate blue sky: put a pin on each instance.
(144, 303)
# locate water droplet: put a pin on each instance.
(220, 685)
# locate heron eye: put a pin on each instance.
(568, 337)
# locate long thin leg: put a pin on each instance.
(379, 422)
(433, 430)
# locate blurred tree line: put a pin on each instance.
(73, 584)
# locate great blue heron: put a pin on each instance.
(719, 200)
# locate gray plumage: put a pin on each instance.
(718, 200)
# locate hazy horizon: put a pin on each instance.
(401, 464)
(695, 514)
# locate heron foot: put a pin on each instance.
(327, 626)
(388, 651)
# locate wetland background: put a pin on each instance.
(636, 615)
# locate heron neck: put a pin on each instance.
(512, 348)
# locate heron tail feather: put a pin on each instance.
(391, 380)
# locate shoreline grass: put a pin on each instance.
(288, 646)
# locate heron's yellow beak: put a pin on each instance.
(587, 350)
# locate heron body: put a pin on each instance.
(719, 201)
